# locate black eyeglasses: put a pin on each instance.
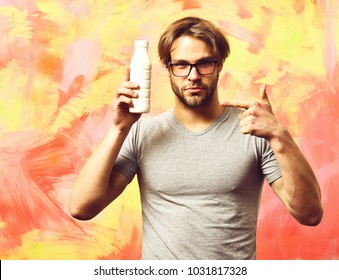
(183, 69)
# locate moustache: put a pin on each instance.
(195, 85)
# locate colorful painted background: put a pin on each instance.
(60, 63)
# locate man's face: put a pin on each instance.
(194, 90)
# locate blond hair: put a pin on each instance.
(197, 28)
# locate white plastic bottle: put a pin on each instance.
(140, 73)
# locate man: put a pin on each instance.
(200, 176)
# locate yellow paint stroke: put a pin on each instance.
(15, 24)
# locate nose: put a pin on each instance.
(194, 73)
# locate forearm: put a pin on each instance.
(299, 190)
(90, 189)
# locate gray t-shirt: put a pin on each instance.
(199, 191)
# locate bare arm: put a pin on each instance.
(98, 184)
(298, 188)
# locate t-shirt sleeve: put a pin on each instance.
(269, 164)
(126, 162)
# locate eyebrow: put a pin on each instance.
(203, 59)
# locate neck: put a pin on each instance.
(198, 119)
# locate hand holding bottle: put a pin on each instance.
(133, 94)
(122, 118)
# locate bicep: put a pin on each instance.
(116, 185)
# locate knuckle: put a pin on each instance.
(255, 106)
(120, 91)
(251, 120)
(251, 112)
(121, 99)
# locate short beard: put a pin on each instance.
(196, 102)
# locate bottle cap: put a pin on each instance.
(141, 43)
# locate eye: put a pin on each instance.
(181, 65)
(205, 64)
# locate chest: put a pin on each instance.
(198, 166)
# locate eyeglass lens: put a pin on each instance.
(184, 69)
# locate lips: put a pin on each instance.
(194, 89)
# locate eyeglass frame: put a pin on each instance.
(195, 65)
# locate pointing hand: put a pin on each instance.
(257, 118)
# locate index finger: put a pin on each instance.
(242, 104)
